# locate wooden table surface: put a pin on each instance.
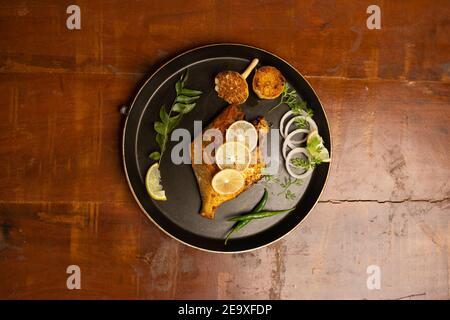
(64, 198)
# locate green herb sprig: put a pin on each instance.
(184, 102)
(286, 184)
(267, 179)
(291, 99)
(301, 123)
(302, 163)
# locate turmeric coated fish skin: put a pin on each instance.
(204, 172)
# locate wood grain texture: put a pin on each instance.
(319, 37)
(64, 198)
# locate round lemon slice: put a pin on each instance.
(228, 181)
(244, 132)
(153, 183)
(233, 155)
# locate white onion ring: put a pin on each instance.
(288, 143)
(288, 164)
(311, 122)
(287, 114)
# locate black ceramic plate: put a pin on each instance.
(178, 216)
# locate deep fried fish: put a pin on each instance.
(204, 172)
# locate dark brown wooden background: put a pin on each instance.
(64, 197)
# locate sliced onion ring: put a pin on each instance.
(291, 144)
(311, 122)
(289, 165)
(285, 116)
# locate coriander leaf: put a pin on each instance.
(271, 178)
(289, 195)
(301, 163)
(292, 100)
(301, 123)
(315, 161)
(288, 182)
(297, 106)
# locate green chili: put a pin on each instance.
(240, 224)
(259, 215)
(237, 226)
(261, 202)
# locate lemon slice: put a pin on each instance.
(228, 181)
(153, 183)
(244, 132)
(314, 145)
(233, 155)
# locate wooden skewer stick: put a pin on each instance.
(249, 69)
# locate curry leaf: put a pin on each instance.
(182, 104)
(186, 99)
(155, 155)
(160, 127)
(190, 92)
(184, 77)
(163, 114)
(183, 108)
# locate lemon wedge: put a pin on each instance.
(153, 183)
(315, 147)
(228, 181)
(244, 132)
(233, 155)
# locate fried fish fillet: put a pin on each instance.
(204, 172)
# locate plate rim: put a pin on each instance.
(125, 165)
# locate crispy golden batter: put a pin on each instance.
(204, 173)
(268, 82)
(231, 87)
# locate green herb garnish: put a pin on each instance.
(302, 163)
(286, 184)
(289, 96)
(183, 103)
(270, 179)
(301, 123)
